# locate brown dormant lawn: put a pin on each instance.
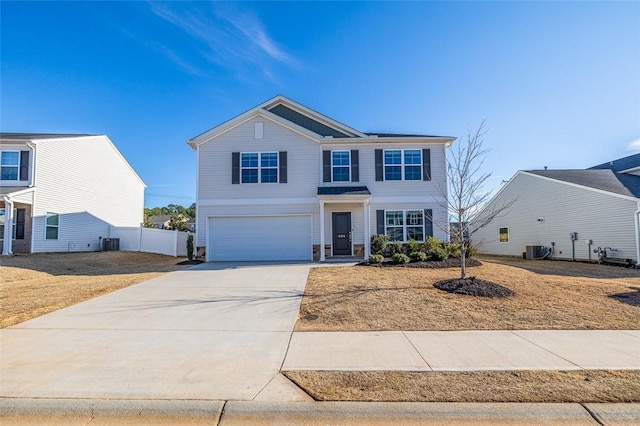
(547, 295)
(33, 285)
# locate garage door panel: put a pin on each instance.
(260, 238)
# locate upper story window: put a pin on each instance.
(402, 164)
(9, 165)
(405, 225)
(340, 166)
(259, 167)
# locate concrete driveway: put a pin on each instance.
(215, 331)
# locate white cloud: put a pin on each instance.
(225, 35)
(635, 145)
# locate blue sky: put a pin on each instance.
(558, 82)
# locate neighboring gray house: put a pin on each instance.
(160, 221)
(63, 192)
(284, 182)
(571, 211)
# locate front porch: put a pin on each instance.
(345, 223)
(16, 214)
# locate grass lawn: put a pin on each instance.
(547, 295)
(33, 285)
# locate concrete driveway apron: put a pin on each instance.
(215, 331)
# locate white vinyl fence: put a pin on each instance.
(149, 240)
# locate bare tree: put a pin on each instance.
(466, 200)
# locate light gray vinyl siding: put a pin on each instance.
(303, 159)
(431, 188)
(605, 219)
(90, 185)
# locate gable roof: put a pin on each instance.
(603, 180)
(620, 165)
(304, 121)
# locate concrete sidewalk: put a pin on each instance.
(471, 350)
(141, 412)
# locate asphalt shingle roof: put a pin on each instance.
(620, 164)
(605, 180)
(343, 190)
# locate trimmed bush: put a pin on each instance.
(418, 256)
(396, 248)
(431, 244)
(190, 247)
(438, 253)
(453, 249)
(379, 243)
(413, 246)
(400, 258)
(376, 258)
(470, 251)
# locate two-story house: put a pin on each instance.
(63, 192)
(284, 182)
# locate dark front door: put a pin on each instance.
(341, 234)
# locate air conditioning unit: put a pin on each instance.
(111, 244)
(535, 252)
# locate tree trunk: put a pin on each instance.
(463, 261)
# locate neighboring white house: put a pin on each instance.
(62, 192)
(280, 181)
(571, 211)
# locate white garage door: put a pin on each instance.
(260, 238)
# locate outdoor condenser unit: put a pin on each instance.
(535, 252)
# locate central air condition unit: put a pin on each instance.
(535, 252)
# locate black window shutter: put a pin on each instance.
(20, 216)
(379, 166)
(24, 165)
(380, 221)
(428, 223)
(355, 166)
(326, 166)
(235, 167)
(426, 164)
(282, 158)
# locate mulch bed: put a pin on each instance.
(190, 262)
(473, 287)
(452, 262)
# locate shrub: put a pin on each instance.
(400, 258)
(452, 249)
(413, 246)
(470, 251)
(418, 256)
(376, 258)
(395, 247)
(431, 244)
(438, 253)
(379, 243)
(190, 247)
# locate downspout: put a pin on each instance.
(33, 194)
(8, 226)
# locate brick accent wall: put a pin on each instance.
(201, 254)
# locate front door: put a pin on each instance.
(341, 234)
